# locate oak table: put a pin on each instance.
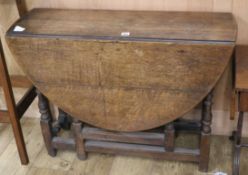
(124, 73)
(241, 89)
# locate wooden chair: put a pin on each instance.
(15, 111)
(241, 99)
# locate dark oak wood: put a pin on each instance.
(185, 125)
(140, 24)
(22, 7)
(15, 111)
(64, 143)
(169, 137)
(12, 112)
(241, 75)
(155, 143)
(130, 149)
(64, 120)
(206, 132)
(241, 97)
(233, 104)
(243, 101)
(129, 71)
(154, 99)
(21, 106)
(19, 81)
(46, 123)
(237, 144)
(26, 101)
(147, 138)
(141, 150)
(130, 83)
(79, 140)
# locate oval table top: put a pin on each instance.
(123, 70)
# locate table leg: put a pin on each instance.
(205, 133)
(169, 137)
(64, 120)
(77, 131)
(46, 123)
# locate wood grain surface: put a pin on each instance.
(241, 75)
(139, 24)
(103, 164)
(243, 101)
(121, 84)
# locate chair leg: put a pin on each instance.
(236, 159)
(10, 101)
(237, 144)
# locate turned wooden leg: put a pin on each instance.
(77, 131)
(237, 144)
(46, 124)
(64, 120)
(169, 137)
(205, 133)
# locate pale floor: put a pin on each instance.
(66, 163)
